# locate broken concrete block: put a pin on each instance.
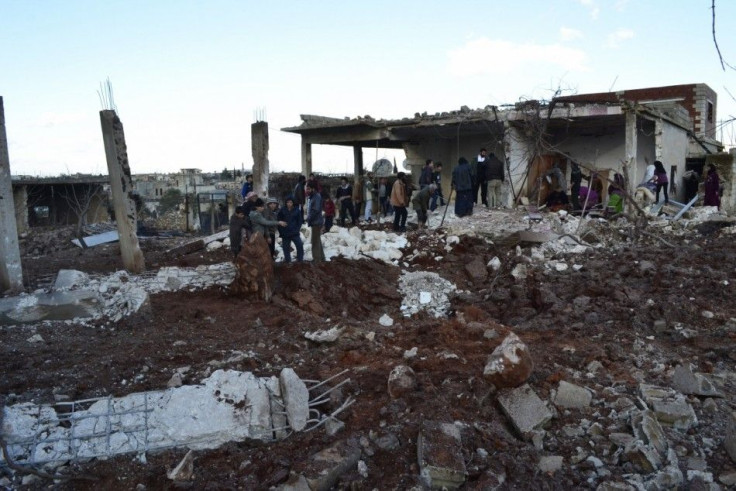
(67, 279)
(647, 429)
(550, 464)
(689, 382)
(644, 457)
(258, 400)
(278, 418)
(296, 398)
(525, 409)
(324, 336)
(476, 270)
(678, 413)
(326, 466)
(386, 321)
(519, 272)
(510, 364)
(650, 393)
(440, 457)
(729, 442)
(185, 469)
(296, 482)
(401, 380)
(572, 396)
(176, 380)
(615, 486)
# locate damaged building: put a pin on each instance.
(606, 133)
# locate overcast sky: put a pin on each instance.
(189, 76)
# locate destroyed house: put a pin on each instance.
(602, 132)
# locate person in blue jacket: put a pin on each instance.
(291, 215)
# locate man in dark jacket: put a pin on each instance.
(291, 215)
(494, 177)
(478, 170)
(237, 230)
(425, 179)
(462, 183)
(315, 222)
(299, 195)
(344, 198)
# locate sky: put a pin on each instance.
(190, 77)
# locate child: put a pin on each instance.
(329, 207)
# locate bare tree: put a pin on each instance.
(80, 198)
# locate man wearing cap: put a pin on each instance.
(291, 215)
(260, 223)
(247, 205)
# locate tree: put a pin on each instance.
(170, 200)
(80, 198)
(226, 175)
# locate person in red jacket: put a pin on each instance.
(329, 208)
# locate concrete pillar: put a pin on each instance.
(629, 165)
(517, 151)
(357, 161)
(20, 202)
(11, 274)
(306, 158)
(259, 149)
(121, 185)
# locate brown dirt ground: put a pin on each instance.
(141, 352)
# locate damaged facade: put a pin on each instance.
(603, 132)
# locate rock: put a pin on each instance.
(519, 272)
(615, 486)
(185, 469)
(476, 270)
(296, 398)
(525, 409)
(648, 430)
(296, 482)
(36, 338)
(326, 466)
(401, 381)
(386, 321)
(387, 442)
(67, 279)
(494, 264)
(729, 442)
(678, 414)
(324, 336)
(688, 382)
(255, 273)
(550, 464)
(425, 298)
(728, 478)
(644, 457)
(572, 396)
(176, 380)
(334, 426)
(440, 457)
(410, 353)
(510, 364)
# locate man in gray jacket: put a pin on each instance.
(315, 220)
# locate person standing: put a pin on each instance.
(462, 183)
(437, 181)
(344, 196)
(247, 186)
(494, 183)
(383, 195)
(290, 215)
(479, 169)
(315, 221)
(270, 212)
(425, 179)
(712, 188)
(299, 196)
(661, 174)
(368, 191)
(398, 202)
(329, 207)
(260, 223)
(237, 230)
(420, 202)
(576, 179)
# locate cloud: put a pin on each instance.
(492, 56)
(568, 34)
(592, 7)
(615, 38)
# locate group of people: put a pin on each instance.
(485, 174)
(265, 218)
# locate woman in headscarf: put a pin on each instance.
(712, 188)
(616, 193)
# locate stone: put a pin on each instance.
(387, 442)
(36, 338)
(510, 364)
(386, 321)
(494, 264)
(255, 272)
(678, 414)
(572, 396)
(333, 426)
(644, 457)
(648, 430)
(326, 466)
(324, 336)
(668, 478)
(185, 470)
(425, 297)
(550, 464)
(689, 382)
(476, 270)
(176, 380)
(296, 398)
(728, 478)
(296, 482)
(401, 381)
(622, 440)
(729, 442)
(439, 454)
(525, 409)
(519, 272)
(615, 486)
(410, 353)
(67, 279)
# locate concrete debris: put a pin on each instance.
(401, 381)
(324, 336)
(68, 279)
(550, 464)
(296, 398)
(729, 442)
(415, 286)
(185, 470)
(525, 409)
(572, 396)
(689, 382)
(36, 338)
(510, 364)
(677, 413)
(439, 452)
(326, 466)
(648, 430)
(386, 321)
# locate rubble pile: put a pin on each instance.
(425, 291)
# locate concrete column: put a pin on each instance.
(121, 185)
(11, 274)
(517, 152)
(357, 161)
(259, 149)
(20, 202)
(306, 158)
(629, 165)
